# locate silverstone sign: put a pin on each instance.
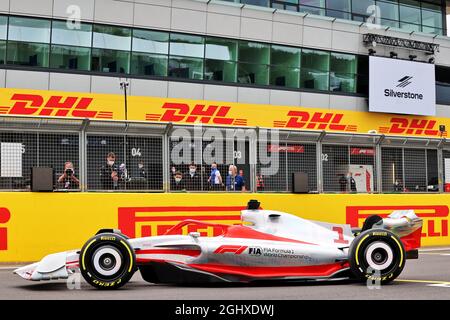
(399, 86)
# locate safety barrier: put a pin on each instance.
(36, 224)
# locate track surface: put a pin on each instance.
(426, 278)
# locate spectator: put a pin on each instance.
(177, 182)
(234, 182)
(215, 179)
(68, 177)
(348, 183)
(141, 170)
(260, 182)
(109, 176)
(192, 179)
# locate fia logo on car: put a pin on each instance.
(255, 251)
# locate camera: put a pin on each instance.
(69, 172)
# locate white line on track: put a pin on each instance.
(434, 249)
(9, 268)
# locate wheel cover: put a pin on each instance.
(107, 261)
(379, 255)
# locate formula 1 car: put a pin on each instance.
(268, 245)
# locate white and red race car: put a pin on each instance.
(268, 245)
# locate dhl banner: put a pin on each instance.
(185, 111)
(36, 224)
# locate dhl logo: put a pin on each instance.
(315, 121)
(152, 221)
(435, 217)
(58, 106)
(5, 215)
(200, 113)
(412, 127)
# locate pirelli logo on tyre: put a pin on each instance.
(153, 221)
(435, 218)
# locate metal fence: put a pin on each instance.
(144, 157)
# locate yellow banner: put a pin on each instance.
(185, 111)
(36, 224)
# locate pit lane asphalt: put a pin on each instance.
(426, 278)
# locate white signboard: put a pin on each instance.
(447, 170)
(399, 86)
(363, 175)
(11, 160)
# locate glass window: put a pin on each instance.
(104, 60)
(312, 10)
(363, 7)
(74, 58)
(343, 72)
(426, 29)
(410, 27)
(410, 13)
(285, 77)
(221, 49)
(29, 30)
(253, 52)
(186, 45)
(187, 68)
(149, 64)
(3, 27)
(285, 69)
(150, 41)
(220, 63)
(28, 54)
(341, 5)
(338, 14)
(253, 73)
(315, 69)
(109, 37)
(388, 10)
(2, 52)
(220, 70)
(262, 3)
(68, 34)
(313, 3)
(390, 23)
(253, 63)
(432, 18)
(285, 56)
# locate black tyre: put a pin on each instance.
(107, 261)
(377, 255)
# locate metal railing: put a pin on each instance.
(145, 158)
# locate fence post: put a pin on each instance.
(83, 156)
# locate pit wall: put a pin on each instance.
(36, 224)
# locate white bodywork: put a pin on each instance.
(307, 243)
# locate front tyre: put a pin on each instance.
(377, 255)
(107, 261)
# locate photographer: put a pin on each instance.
(68, 178)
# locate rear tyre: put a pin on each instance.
(107, 261)
(377, 255)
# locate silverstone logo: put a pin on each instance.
(404, 82)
